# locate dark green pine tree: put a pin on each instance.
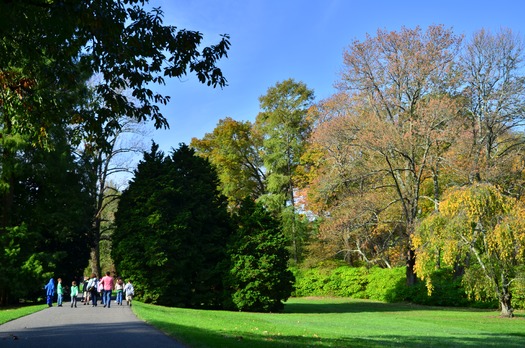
(259, 278)
(172, 230)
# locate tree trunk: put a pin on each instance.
(4, 297)
(95, 261)
(95, 249)
(410, 273)
(505, 298)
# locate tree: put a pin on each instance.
(36, 95)
(258, 279)
(49, 220)
(495, 90)
(482, 229)
(129, 47)
(104, 149)
(285, 128)
(234, 148)
(39, 88)
(172, 229)
(397, 103)
(357, 222)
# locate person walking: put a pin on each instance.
(92, 288)
(100, 291)
(108, 283)
(50, 292)
(128, 290)
(60, 292)
(74, 294)
(85, 292)
(119, 288)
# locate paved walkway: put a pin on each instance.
(84, 326)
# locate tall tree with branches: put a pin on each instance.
(397, 101)
(285, 128)
(492, 65)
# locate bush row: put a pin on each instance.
(389, 285)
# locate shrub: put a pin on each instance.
(311, 282)
(386, 284)
(518, 294)
(448, 290)
(348, 282)
(258, 279)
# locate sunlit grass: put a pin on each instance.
(329, 322)
(8, 314)
(338, 323)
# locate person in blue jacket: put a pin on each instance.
(50, 292)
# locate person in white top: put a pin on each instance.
(93, 289)
(128, 290)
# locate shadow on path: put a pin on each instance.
(84, 326)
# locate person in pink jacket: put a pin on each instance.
(108, 283)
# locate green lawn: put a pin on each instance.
(339, 323)
(330, 322)
(7, 314)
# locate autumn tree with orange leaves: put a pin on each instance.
(384, 132)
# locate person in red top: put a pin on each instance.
(107, 287)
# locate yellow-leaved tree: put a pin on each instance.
(481, 229)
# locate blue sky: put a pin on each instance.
(273, 40)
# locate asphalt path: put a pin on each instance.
(84, 326)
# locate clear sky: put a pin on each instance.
(273, 40)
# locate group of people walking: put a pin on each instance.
(92, 289)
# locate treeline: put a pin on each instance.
(177, 241)
(416, 161)
(73, 76)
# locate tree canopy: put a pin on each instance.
(416, 160)
(235, 149)
(129, 47)
(381, 133)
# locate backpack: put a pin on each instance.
(92, 285)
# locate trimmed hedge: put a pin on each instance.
(388, 285)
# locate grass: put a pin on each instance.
(331, 322)
(8, 314)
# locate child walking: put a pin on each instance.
(74, 293)
(128, 289)
(60, 292)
